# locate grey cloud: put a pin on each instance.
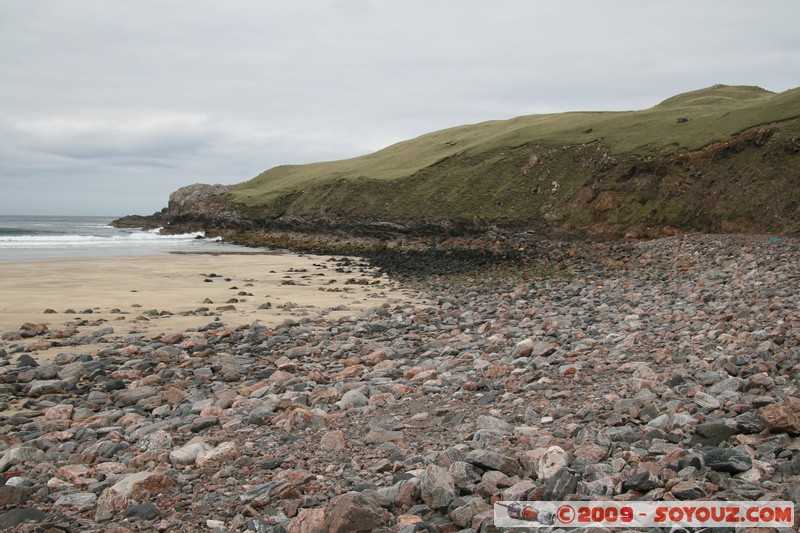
(76, 138)
(124, 96)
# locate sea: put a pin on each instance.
(51, 237)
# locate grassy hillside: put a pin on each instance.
(581, 168)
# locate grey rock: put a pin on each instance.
(641, 482)
(41, 387)
(80, 501)
(263, 494)
(551, 461)
(26, 361)
(157, 440)
(688, 490)
(714, 432)
(127, 397)
(727, 459)
(462, 516)
(73, 371)
(563, 484)
(437, 488)
(465, 474)
(706, 400)
(493, 423)
(355, 511)
(258, 524)
(142, 511)
(19, 455)
(125, 485)
(184, 200)
(187, 454)
(352, 399)
(492, 460)
(17, 517)
(621, 434)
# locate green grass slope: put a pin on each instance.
(582, 168)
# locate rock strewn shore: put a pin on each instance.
(665, 369)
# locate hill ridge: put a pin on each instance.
(722, 158)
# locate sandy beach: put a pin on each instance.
(153, 295)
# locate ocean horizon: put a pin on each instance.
(54, 237)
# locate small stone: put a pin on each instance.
(19, 455)
(187, 454)
(73, 371)
(706, 401)
(17, 517)
(355, 511)
(258, 525)
(308, 521)
(143, 511)
(641, 482)
(437, 488)
(462, 516)
(352, 399)
(157, 440)
(490, 422)
(301, 418)
(492, 460)
(543, 349)
(624, 433)
(687, 490)
(125, 485)
(727, 459)
(226, 452)
(590, 452)
(26, 361)
(263, 494)
(714, 432)
(333, 440)
(10, 495)
(782, 416)
(203, 422)
(562, 484)
(172, 338)
(519, 491)
(523, 348)
(551, 461)
(151, 487)
(79, 501)
(128, 397)
(110, 504)
(464, 474)
(42, 387)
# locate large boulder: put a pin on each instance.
(187, 200)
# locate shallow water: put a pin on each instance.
(45, 237)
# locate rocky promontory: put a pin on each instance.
(724, 159)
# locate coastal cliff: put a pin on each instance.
(721, 159)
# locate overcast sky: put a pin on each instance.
(108, 106)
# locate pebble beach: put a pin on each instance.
(302, 393)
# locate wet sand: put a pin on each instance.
(153, 295)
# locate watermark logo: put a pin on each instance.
(541, 514)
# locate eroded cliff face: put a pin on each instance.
(192, 199)
(195, 207)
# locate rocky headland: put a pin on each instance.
(724, 159)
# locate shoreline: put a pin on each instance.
(153, 295)
(657, 370)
